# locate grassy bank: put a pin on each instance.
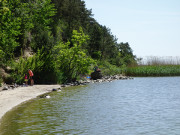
(154, 70)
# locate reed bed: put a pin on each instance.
(164, 70)
(156, 66)
(157, 60)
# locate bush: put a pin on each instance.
(41, 64)
(109, 69)
(8, 79)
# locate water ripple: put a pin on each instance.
(143, 106)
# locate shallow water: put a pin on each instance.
(142, 106)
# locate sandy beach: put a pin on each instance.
(14, 97)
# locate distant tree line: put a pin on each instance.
(56, 30)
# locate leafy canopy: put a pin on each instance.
(73, 61)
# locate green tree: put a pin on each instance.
(127, 54)
(108, 44)
(72, 61)
(42, 18)
(10, 29)
(74, 15)
(24, 39)
(94, 43)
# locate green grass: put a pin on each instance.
(154, 70)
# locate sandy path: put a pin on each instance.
(12, 98)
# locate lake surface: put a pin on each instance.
(142, 106)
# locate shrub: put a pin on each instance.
(41, 64)
(109, 69)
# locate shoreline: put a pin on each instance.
(11, 98)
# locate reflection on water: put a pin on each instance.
(146, 106)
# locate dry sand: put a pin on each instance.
(12, 98)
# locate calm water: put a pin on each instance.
(143, 106)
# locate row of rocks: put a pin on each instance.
(77, 83)
(7, 87)
(111, 78)
(103, 79)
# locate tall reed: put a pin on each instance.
(156, 60)
(156, 66)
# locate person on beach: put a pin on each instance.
(96, 69)
(31, 75)
(26, 79)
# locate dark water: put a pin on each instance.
(143, 106)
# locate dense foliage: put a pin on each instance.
(64, 38)
(72, 61)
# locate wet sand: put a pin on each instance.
(13, 97)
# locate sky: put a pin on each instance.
(151, 27)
